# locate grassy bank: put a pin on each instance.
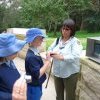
(81, 35)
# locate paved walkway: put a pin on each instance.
(49, 92)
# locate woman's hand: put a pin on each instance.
(56, 56)
(19, 89)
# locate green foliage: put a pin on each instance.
(93, 22)
(43, 13)
(2, 14)
(49, 14)
(9, 14)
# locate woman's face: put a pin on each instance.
(66, 32)
(37, 42)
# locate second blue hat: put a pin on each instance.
(9, 44)
(32, 33)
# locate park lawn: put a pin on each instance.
(82, 36)
(50, 40)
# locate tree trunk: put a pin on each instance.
(55, 29)
(49, 26)
(82, 24)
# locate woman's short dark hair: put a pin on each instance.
(70, 24)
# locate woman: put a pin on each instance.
(34, 65)
(12, 84)
(66, 65)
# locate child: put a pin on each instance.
(9, 47)
(34, 65)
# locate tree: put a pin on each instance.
(43, 13)
(49, 14)
(9, 13)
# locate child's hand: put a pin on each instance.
(48, 57)
(19, 89)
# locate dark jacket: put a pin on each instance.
(5, 95)
(8, 76)
(33, 63)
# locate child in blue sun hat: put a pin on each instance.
(9, 47)
(32, 33)
(34, 64)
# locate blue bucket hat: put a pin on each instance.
(9, 44)
(32, 33)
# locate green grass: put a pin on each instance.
(49, 41)
(81, 35)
